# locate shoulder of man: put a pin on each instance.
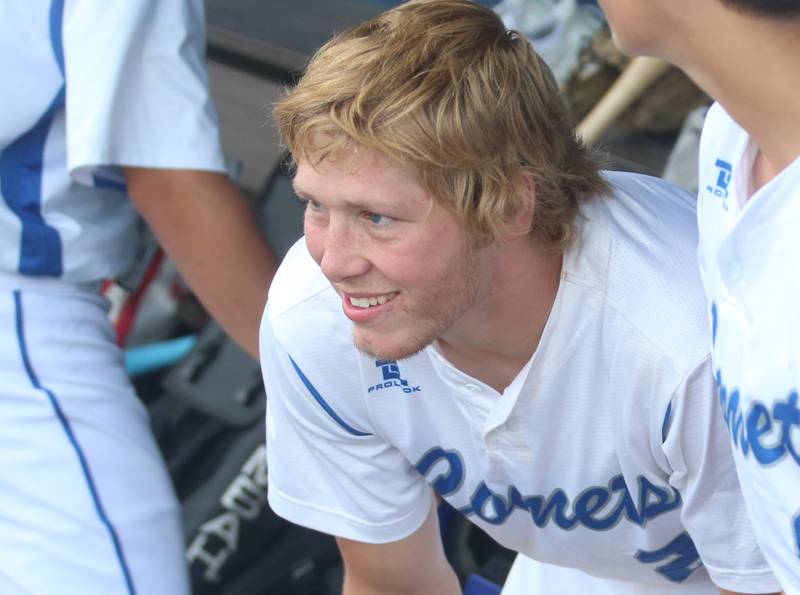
(653, 279)
(298, 281)
(304, 315)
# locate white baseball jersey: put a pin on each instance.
(750, 263)
(606, 453)
(88, 86)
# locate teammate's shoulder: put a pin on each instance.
(298, 280)
(717, 116)
(721, 137)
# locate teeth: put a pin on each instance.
(370, 301)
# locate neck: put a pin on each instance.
(750, 67)
(495, 339)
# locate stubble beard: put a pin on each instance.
(434, 313)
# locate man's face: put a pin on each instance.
(402, 263)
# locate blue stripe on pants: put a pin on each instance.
(23, 349)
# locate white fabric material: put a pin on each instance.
(568, 465)
(109, 84)
(79, 467)
(750, 262)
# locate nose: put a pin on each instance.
(338, 250)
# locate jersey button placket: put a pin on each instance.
(496, 426)
(473, 388)
(730, 263)
(734, 270)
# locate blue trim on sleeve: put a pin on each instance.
(21, 186)
(21, 165)
(324, 405)
(62, 418)
(100, 182)
(57, 32)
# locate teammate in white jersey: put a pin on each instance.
(475, 311)
(98, 96)
(744, 53)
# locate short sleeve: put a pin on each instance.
(327, 469)
(702, 469)
(136, 86)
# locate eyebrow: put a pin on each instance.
(379, 204)
(300, 193)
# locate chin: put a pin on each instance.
(385, 349)
(635, 45)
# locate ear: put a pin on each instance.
(523, 219)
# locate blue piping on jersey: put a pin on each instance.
(99, 182)
(327, 408)
(56, 32)
(21, 176)
(667, 423)
(74, 441)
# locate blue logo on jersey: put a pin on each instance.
(391, 378)
(724, 175)
(720, 186)
(714, 321)
(765, 432)
(680, 557)
(597, 508)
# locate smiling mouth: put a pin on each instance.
(368, 302)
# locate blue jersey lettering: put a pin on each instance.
(682, 555)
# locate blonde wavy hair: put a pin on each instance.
(443, 89)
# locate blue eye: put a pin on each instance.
(378, 219)
(311, 206)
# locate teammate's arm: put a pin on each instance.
(206, 226)
(415, 565)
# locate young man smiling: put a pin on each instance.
(477, 311)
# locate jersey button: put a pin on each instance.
(734, 271)
(473, 388)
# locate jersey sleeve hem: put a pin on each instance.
(343, 525)
(739, 581)
(85, 160)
